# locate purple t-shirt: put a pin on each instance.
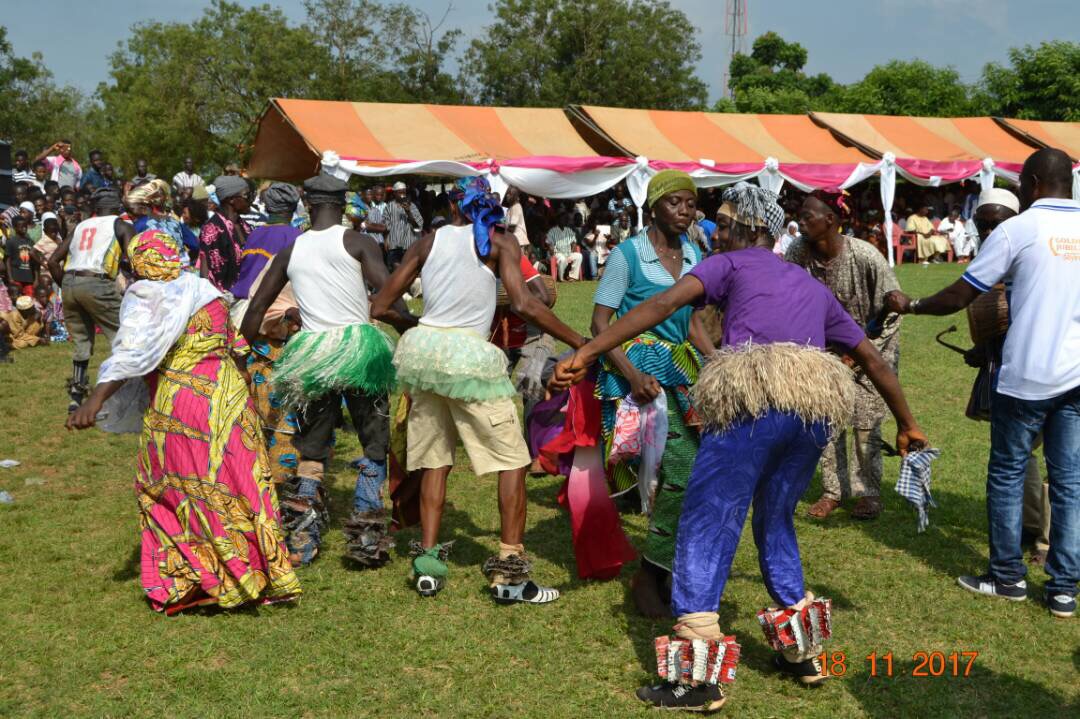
(765, 299)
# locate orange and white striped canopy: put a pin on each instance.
(292, 134)
(721, 137)
(939, 139)
(1063, 135)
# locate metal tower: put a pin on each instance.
(736, 27)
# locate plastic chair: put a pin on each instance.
(906, 243)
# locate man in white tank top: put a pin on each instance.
(458, 382)
(93, 251)
(337, 355)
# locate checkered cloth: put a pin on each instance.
(914, 482)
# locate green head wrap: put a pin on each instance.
(667, 181)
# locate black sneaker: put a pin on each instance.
(807, 671)
(1061, 605)
(702, 698)
(985, 584)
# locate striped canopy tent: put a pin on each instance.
(536, 149)
(932, 150)
(724, 147)
(1062, 135)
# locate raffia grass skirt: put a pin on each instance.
(354, 357)
(748, 380)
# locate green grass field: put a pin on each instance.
(78, 639)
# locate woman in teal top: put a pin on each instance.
(666, 359)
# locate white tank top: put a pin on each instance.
(459, 289)
(91, 242)
(328, 282)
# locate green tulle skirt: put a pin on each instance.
(459, 364)
(354, 357)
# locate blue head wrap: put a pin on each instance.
(355, 207)
(481, 206)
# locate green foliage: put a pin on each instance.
(771, 79)
(906, 88)
(180, 89)
(368, 65)
(550, 53)
(1042, 83)
(34, 112)
(197, 89)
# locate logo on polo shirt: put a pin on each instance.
(1067, 248)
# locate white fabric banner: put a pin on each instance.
(565, 185)
(986, 175)
(888, 194)
(770, 178)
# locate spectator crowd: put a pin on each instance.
(568, 240)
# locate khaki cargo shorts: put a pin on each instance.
(490, 431)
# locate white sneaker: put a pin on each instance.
(528, 592)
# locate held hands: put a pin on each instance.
(570, 371)
(911, 439)
(898, 302)
(292, 317)
(85, 416)
(644, 388)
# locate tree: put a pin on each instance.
(419, 55)
(771, 79)
(196, 90)
(551, 53)
(369, 66)
(1043, 83)
(34, 112)
(906, 88)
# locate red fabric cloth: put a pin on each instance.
(600, 544)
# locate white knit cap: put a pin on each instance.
(399, 186)
(999, 196)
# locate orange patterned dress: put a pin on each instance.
(211, 532)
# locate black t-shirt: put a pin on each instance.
(19, 251)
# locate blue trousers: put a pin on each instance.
(1014, 424)
(769, 462)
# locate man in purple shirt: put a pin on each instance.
(769, 400)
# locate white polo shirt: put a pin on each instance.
(1038, 253)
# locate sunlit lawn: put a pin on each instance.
(78, 639)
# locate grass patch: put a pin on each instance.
(78, 639)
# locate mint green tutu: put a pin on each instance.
(354, 357)
(454, 363)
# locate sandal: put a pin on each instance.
(867, 508)
(822, 508)
(429, 567)
(528, 592)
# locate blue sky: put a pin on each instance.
(845, 38)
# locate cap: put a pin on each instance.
(399, 186)
(24, 303)
(999, 196)
(325, 183)
(200, 192)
